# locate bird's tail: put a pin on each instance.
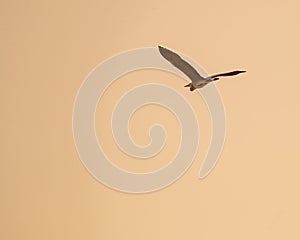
(188, 85)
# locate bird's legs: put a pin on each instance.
(192, 88)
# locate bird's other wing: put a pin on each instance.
(227, 74)
(181, 64)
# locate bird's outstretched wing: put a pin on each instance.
(181, 64)
(227, 74)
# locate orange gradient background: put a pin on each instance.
(48, 48)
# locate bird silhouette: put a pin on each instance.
(197, 80)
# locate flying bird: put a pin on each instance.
(197, 80)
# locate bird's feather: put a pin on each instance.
(181, 64)
(201, 85)
(227, 74)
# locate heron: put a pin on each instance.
(198, 81)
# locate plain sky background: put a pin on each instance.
(48, 48)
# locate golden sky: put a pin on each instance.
(48, 48)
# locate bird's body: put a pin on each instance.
(198, 81)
